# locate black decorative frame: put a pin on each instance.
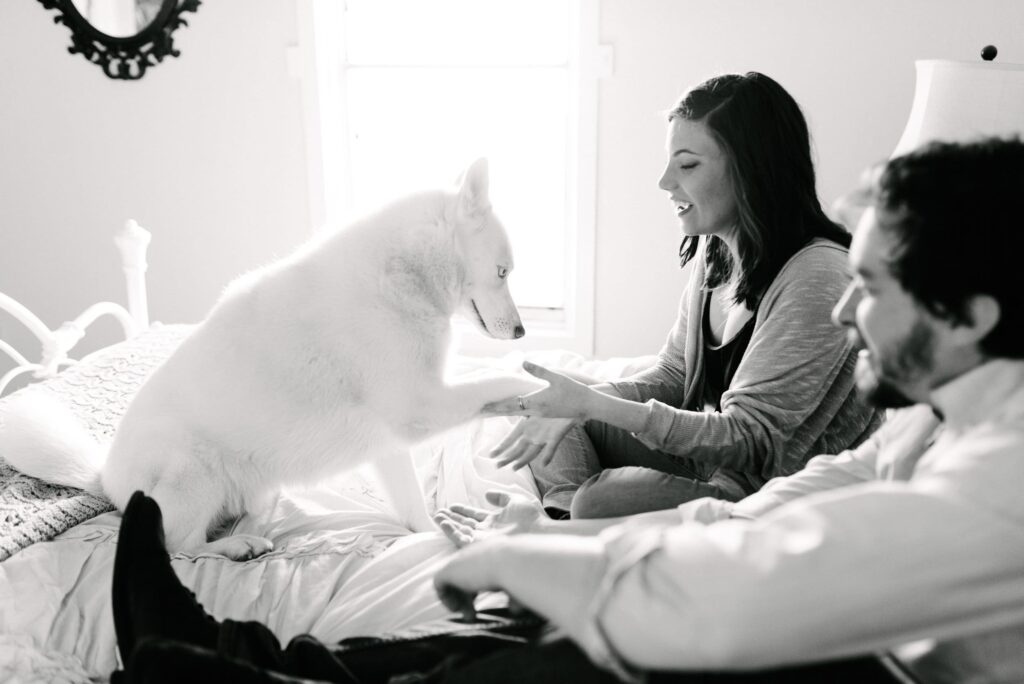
(125, 57)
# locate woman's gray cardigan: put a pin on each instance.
(792, 396)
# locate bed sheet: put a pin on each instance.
(342, 566)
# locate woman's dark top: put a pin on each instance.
(720, 361)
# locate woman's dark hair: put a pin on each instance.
(953, 211)
(764, 136)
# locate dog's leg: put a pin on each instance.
(458, 403)
(239, 547)
(397, 476)
(190, 511)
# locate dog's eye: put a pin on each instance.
(502, 272)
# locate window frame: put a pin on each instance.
(318, 62)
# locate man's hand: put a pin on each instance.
(516, 514)
(555, 576)
(466, 574)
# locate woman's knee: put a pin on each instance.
(629, 490)
(609, 493)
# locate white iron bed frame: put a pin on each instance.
(132, 241)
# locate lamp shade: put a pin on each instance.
(960, 101)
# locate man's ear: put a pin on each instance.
(473, 186)
(849, 208)
(983, 313)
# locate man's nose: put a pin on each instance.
(843, 313)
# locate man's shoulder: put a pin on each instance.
(898, 420)
(906, 433)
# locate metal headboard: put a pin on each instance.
(132, 241)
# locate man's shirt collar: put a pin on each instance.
(980, 393)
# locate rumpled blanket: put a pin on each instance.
(96, 390)
(341, 566)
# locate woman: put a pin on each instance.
(754, 379)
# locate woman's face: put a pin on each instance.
(697, 180)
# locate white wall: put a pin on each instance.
(849, 63)
(208, 149)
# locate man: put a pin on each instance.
(913, 542)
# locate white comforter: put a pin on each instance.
(341, 566)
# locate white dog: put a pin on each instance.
(304, 368)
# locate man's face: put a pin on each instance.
(898, 338)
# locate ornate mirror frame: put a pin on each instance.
(125, 57)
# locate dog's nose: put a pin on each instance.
(520, 331)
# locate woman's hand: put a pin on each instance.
(564, 397)
(530, 439)
(516, 514)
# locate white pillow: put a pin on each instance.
(95, 391)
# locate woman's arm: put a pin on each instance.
(795, 378)
(538, 438)
(794, 384)
(554, 411)
(570, 399)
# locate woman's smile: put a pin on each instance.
(698, 168)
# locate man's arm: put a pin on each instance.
(844, 572)
(517, 514)
(902, 438)
(554, 576)
(847, 572)
(464, 524)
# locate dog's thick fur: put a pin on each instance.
(304, 368)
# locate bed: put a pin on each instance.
(342, 566)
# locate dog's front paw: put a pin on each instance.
(240, 547)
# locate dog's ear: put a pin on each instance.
(473, 185)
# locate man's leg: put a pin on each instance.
(153, 608)
(150, 603)
(559, 662)
(162, 661)
(163, 631)
(562, 661)
(148, 598)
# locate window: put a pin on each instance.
(405, 93)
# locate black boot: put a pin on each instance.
(148, 598)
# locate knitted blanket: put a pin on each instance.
(96, 391)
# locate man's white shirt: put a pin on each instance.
(913, 542)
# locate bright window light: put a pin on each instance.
(421, 88)
(406, 123)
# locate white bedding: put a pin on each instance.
(341, 566)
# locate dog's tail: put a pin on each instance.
(41, 437)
